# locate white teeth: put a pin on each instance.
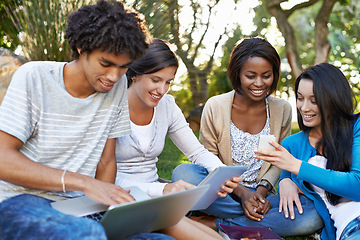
(156, 97)
(106, 84)
(257, 91)
(308, 116)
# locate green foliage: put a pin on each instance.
(344, 32)
(183, 96)
(220, 82)
(219, 79)
(157, 16)
(6, 25)
(261, 20)
(40, 26)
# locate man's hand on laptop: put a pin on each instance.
(229, 186)
(107, 193)
(177, 186)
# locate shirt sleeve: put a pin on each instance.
(19, 111)
(153, 189)
(208, 133)
(284, 173)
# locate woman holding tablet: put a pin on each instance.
(154, 114)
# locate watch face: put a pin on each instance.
(265, 184)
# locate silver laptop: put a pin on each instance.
(147, 215)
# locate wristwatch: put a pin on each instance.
(266, 184)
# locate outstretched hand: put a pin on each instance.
(279, 157)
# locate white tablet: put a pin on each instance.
(215, 179)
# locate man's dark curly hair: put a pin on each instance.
(107, 26)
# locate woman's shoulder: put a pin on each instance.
(297, 137)
(44, 68)
(280, 108)
(221, 98)
(356, 120)
(167, 98)
(167, 103)
(224, 95)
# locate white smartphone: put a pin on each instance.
(264, 142)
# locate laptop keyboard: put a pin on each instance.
(96, 216)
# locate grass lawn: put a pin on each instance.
(172, 156)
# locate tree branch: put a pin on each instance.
(300, 6)
(207, 25)
(210, 62)
(193, 27)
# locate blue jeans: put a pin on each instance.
(352, 230)
(229, 211)
(31, 217)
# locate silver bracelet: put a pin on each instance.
(63, 181)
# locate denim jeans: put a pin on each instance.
(352, 230)
(31, 217)
(229, 211)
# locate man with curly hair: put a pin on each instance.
(58, 124)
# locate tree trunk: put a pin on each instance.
(198, 85)
(274, 8)
(322, 45)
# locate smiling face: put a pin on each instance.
(306, 104)
(102, 69)
(148, 89)
(256, 77)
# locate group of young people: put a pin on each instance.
(97, 125)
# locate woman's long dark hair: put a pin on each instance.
(157, 57)
(336, 102)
